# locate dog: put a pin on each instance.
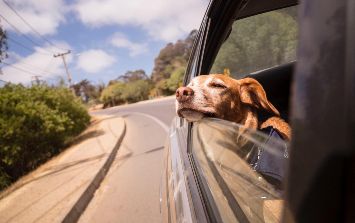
(240, 101)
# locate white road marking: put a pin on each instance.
(162, 124)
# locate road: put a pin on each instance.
(130, 191)
(163, 109)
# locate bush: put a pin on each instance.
(119, 93)
(176, 79)
(136, 91)
(35, 124)
(112, 94)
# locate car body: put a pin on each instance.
(206, 179)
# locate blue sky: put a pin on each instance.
(106, 37)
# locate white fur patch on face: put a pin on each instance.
(192, 116)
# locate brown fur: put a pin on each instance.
(220, 96)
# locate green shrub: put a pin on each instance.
(35, 123)
(119, 92)
(112, 94)
(136, 91)
(176, 79)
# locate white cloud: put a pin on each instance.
(45, 16)
(93, 61)
(163, 19)
(121, 41)
(41, 62)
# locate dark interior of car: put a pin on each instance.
(276, 82)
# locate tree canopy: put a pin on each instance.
(259, 42)
(172, 57)
(135, 75)
(87, 91)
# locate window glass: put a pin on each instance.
(259, 42)
(242, 170)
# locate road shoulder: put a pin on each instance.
(61, 188)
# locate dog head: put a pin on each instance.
(220, 96)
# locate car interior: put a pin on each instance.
(276, 82)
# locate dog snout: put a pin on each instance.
(184, 94)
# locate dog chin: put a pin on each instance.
(192, 116)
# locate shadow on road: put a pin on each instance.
(50, 171)
(86, 135)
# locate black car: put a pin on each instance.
(303, 55)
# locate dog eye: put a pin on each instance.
(217, 85)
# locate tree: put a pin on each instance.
(120, 92)
(3, 44)
(86, 90)
(136, 91)
(112, 94)
(160, 88)
(135, 75)
(171, 57)
(258, 42)
(175, 80)
(167, 76)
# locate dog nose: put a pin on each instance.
(184, 93)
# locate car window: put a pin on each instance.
(259, 42)
(242, 170)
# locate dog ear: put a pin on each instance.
(253, 94)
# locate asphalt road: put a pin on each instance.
(130, 191)
(163, 109)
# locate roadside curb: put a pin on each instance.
(84, 200)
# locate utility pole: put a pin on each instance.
(36, 79)
(62, 55)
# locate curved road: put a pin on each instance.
(163, 109)
(130, 191)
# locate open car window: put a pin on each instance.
(242, 170)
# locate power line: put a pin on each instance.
(20, 69)
(30, 26)
(24, 46)
(50, 63)
(24, 35)
(30, 66)
(43, 71)
(5, 81)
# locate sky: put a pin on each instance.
(106, 38)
